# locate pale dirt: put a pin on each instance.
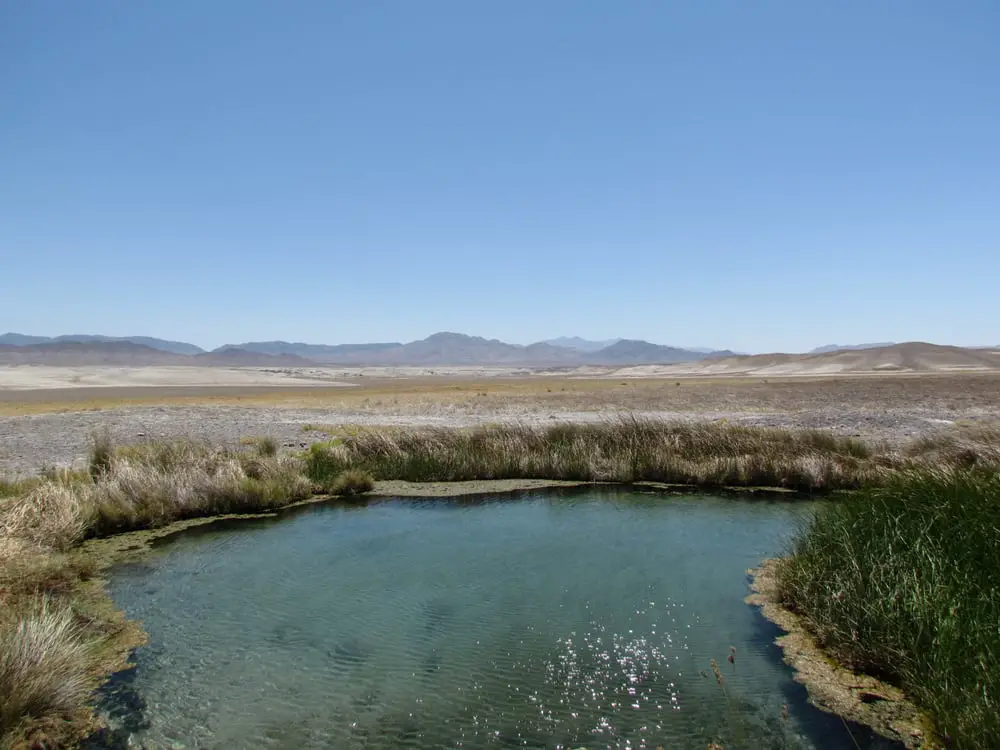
(43, 377)
(46, 377)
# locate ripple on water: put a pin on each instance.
(547, 622)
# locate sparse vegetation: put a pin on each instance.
(903, 582)
(311, 427)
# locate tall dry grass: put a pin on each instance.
(50, 514)
(625, 450)
(161, 483)
(44, 668)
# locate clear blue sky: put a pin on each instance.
(767, 175)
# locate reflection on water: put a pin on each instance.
(553, 621)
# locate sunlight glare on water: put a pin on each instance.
(553, 621)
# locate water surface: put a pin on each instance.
(557, 620)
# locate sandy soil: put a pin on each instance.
(40, 427)
(42, 377)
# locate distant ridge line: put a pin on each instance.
(447, 348)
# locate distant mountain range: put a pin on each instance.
(130, 354)
(439, 349)
(177, 347)
(459, 349)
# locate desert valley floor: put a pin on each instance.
(47, 414)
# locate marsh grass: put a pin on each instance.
(625, 450)
(157, 483)
(903, 582)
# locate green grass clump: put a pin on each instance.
(352, 482)
(903, 582)
(323, 464)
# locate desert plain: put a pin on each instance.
(48, 413)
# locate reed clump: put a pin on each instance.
(903, 582)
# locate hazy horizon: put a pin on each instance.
(754, 177)
(695, 347)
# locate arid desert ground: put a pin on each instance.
(47, 414)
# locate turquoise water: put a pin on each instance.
(547, 621)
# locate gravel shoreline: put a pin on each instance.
(31, 442)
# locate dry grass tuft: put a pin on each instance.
(43, 668)
(102, 452)
(50, 514)
(352, 482)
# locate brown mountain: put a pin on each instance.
(642, 352)
(913, 356)
(75, 353)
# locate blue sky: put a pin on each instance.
(761, 176)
